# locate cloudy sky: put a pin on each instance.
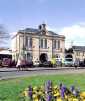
(65, 17)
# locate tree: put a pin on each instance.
(4, 37)
(70, 50)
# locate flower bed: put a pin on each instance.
(49, 92)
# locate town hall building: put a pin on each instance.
(38, 44)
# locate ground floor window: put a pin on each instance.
(29, 56)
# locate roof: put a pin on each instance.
(29, 30)
(53, 33)
(5, 52)
(37, 32)
(79, 48)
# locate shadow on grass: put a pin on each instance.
(3, 98)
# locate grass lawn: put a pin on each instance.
(10, 89)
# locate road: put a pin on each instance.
(13, 73)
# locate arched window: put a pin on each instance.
(29, 56)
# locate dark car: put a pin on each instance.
(13, 63)
(81, 64)
(29, 63)
(45, 64)
(6, 62)
(23, 64)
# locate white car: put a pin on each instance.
(36, 63)
(68, 62)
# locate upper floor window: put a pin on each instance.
(21, 42)
(28, 42)
(83, 53)
(78, 53)
(43, 43)
(58, 44)
(54, 44)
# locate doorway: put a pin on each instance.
(43, 57)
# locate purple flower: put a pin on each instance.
(30, 91)
(72, 88)
(48, 85)
(62, 92)
(49, 97)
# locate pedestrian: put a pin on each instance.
(53, 62)
(18, 66)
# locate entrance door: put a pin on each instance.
(43, 57)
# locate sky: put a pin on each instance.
(66, 17)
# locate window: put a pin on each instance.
(29, 56)
(45, 43)
(83, 53)
(41, 43)
(28, 42)
(21, 42)
(77, 53)
(58, 44)
(54, 44)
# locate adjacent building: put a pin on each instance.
(38, 44)
(5, 53)
(78, 52)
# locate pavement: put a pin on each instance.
(10, 73)
(5, 69)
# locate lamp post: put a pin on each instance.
(52, 46)
(24, 45)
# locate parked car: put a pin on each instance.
(22, 63)
(6, 62)
(81, 64)
(13, 63)
(68, 62)
(29, 63)
(45, 64)
(36, 63)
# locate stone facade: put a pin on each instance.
(34, 42)
(78, 53)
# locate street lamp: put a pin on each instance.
(24, 49)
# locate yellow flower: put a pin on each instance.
(55, 87)
(35, 98)
(59, 99)
(25, 93)
(75, 99)
(34, 88)
(82, 94)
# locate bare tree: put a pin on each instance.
(4, 36)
